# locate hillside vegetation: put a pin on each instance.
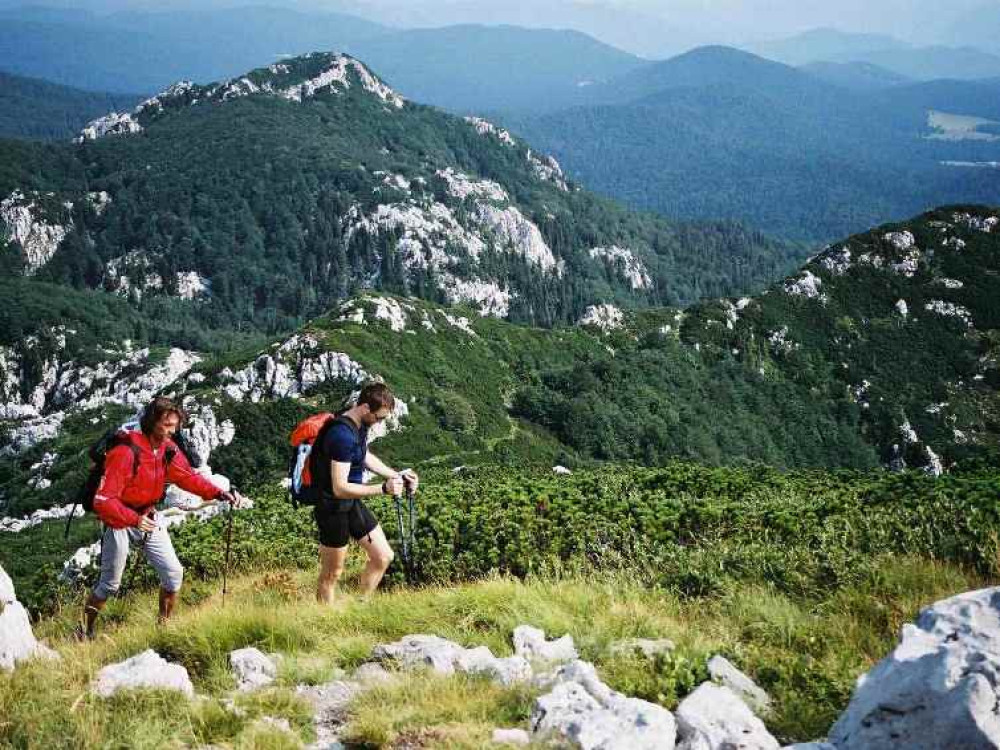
(803, 580)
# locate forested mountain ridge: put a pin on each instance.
(36, 109)
(883, 350)
(257, 202)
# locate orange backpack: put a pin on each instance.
(301, 465)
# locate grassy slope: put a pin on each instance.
(806, 653)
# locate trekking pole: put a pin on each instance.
(403, 544)
(229, 548)
(413, 524)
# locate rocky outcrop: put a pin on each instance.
(38, 237)
(289, 370)
(17, 641)
(605, 317)
(146, 670)
(625, 263)
(939, 688)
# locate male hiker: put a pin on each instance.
(136, 472)
(342, 514)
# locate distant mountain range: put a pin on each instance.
(484, 68)
(147, 51)
(901, 58)
(721, 132)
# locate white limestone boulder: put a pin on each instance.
(505, 671)
(415, 651)
(145, 670)
(939, 688)
(510, 737)
(252, 668)
(724, 672)
(530, 643)
(713, 717)
(446, 657)
(17, 641)
(582, 709)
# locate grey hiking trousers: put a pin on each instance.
(157, 548)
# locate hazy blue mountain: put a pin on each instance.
(720, 132)
(938, 62)
(479, 68)
(922, 63)
(857, 76)
(32, 108)
(643, 34)
(146, 51)
(710, 67)
(826, 44)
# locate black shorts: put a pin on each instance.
(337, 525)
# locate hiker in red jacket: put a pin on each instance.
(126, 499)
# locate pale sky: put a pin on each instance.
(719, 21)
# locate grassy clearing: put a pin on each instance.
(806, 652)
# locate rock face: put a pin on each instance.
(146, 670)
(590, 714)
(17, 641)
(939, 688)
(713, 717)
(252, 668)
(38, 238)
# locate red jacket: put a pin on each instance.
(123, 492)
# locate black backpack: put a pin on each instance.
(98, 452)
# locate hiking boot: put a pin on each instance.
(81, 634)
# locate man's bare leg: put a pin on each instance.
(380, 556)
(167, 601)
(331, 567)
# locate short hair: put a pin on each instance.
(376, 396)
(156, 410)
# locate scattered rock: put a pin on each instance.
(506, 671)
(414, 651)
(713, 716)
(146, 670)
(372, 673)
(446, 657)
(530, 643)
(330, 704)
(608, 722)
(647, 647)
(810, 746)
(938, 688)
(17, 641)
(725, 673)
(511, 737)
(252, 668)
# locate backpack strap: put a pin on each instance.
(317, 451)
